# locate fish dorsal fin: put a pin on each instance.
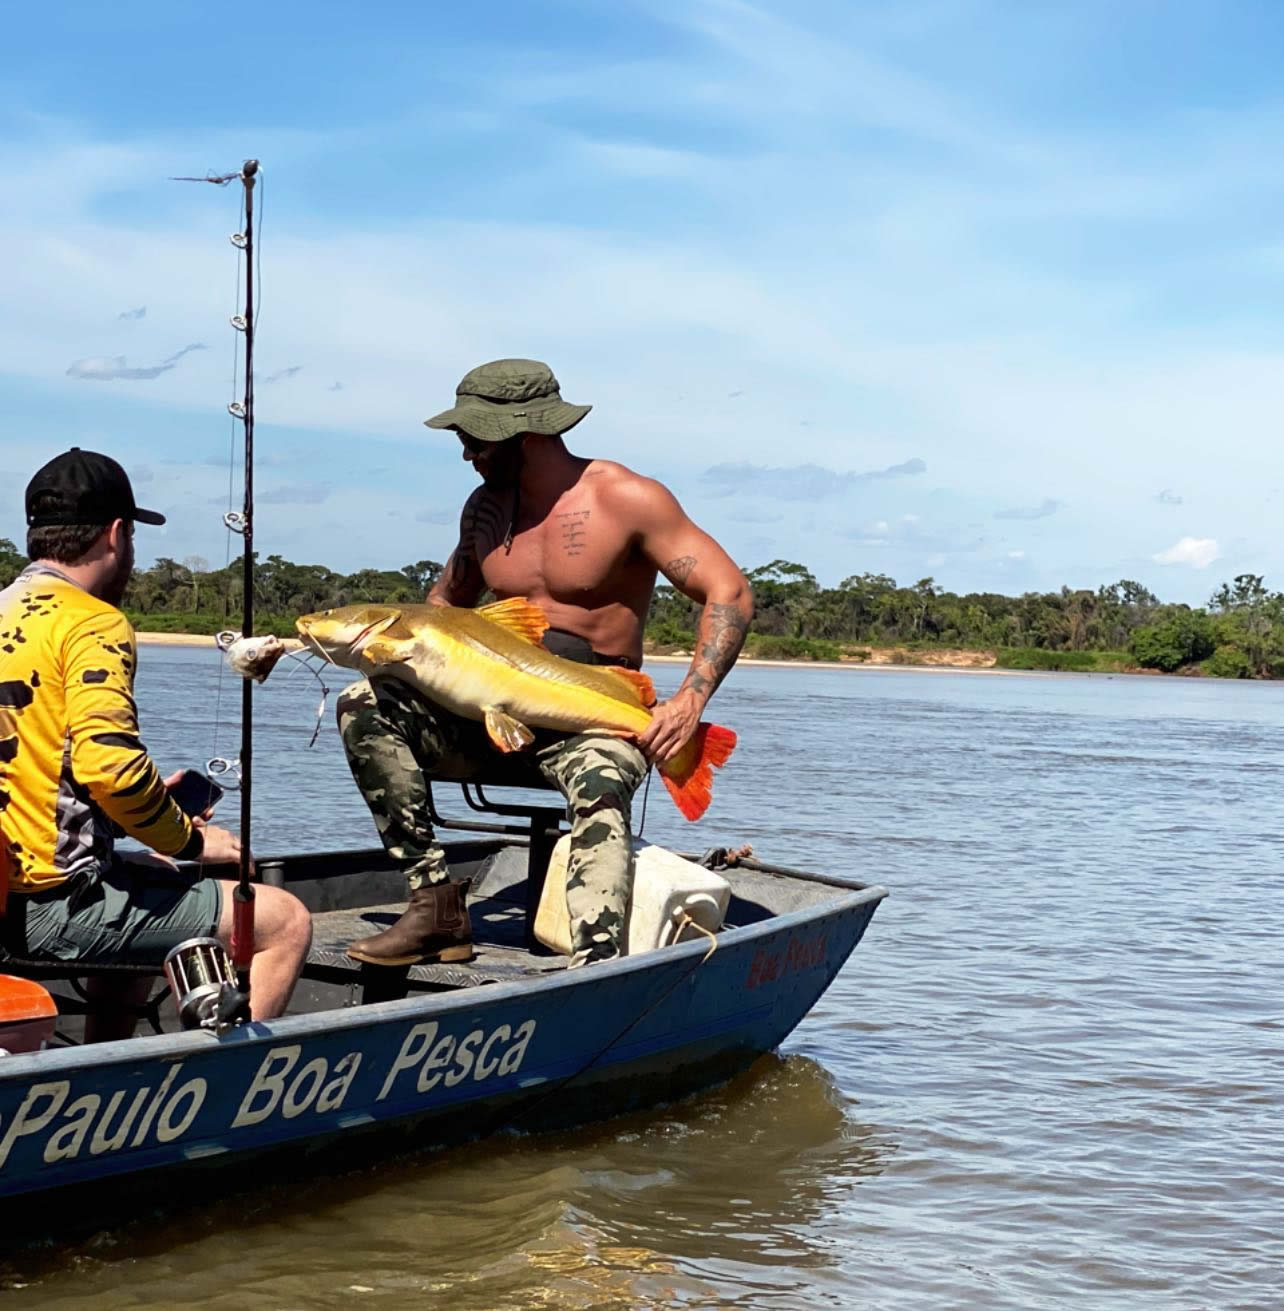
(521, 617)
(637, 680)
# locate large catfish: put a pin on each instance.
(488, 664)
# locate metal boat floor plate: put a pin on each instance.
(499, 943)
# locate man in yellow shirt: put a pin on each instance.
(74, 773)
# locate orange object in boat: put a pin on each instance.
(27, 1015)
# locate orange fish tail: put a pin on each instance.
(689, 775)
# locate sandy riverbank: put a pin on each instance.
(934, 662)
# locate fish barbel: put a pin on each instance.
(488, 665)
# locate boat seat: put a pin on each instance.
(541, 826)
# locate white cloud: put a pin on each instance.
(1016, 555)
(1041, 511)
(102, 368)
(1198, 552)
(933, 209)
(303, 493)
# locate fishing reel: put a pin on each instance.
(200, 975)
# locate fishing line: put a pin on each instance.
(325, 691)
(258, 252)
(306, 663)
(231, 482)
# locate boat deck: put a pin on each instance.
(356, 893)
(499, 932)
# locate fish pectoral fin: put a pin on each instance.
(521, 617)
(385, 650)
(508, 734)
(638, 681)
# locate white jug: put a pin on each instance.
(665, 889)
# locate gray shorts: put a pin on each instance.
(129, 914)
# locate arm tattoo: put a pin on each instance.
(481, 530)
(722, 633)
(679, 570)
(484, 527)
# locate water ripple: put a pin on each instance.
(1050, 1077)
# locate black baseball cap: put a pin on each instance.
(83, 487)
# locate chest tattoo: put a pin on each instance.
(574, 526)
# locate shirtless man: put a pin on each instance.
(584, 539)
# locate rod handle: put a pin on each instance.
(242, 927)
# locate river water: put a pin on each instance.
(1051, 1075)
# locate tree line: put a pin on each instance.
(1238, 634)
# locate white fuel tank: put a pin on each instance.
(665, 889)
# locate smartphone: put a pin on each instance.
(195, 793)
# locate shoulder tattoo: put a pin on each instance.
(679, 570)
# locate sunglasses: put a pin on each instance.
(473, 445)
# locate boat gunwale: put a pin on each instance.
(345, 1019)
(488, 838)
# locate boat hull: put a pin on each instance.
(565, 1049)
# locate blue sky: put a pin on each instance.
(982, 291)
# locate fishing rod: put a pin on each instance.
(243, 898)
(235, 1006)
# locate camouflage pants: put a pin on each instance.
(394, 738)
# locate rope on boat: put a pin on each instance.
(687, 922)
(646, 792)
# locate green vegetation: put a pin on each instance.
(1239, 634)
(1033, 657)
(189, 597)
(1117, 627)
(11, 562)
(1228, 662)
(766, 646)
(1183, 638)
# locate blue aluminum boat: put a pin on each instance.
(424, 1055)
(509, 1042)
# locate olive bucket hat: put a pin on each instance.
(498, 400)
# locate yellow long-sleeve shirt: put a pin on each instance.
(71, 760)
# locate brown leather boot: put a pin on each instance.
(434, 927)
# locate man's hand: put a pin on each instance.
(673, 724)
(173, 781)
(221, 846)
